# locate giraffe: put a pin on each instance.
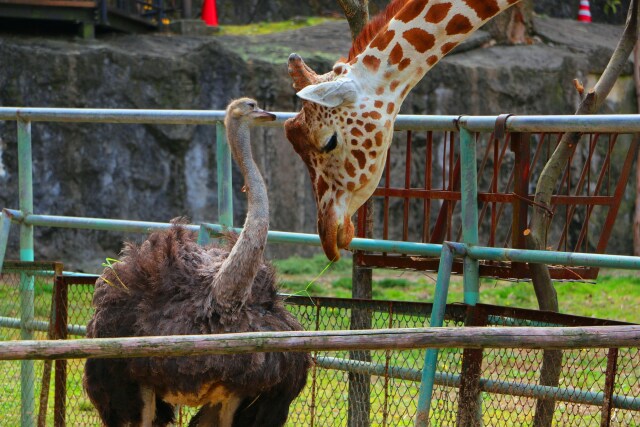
(345, 126)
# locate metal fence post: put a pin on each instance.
(5, 226)
(437, 320)
(469, 206)
(469, 213)
(25, 188)
(225, 183)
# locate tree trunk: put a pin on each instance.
(536, 236)
(513, 26)
(357, 14)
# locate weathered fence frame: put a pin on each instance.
(467, 249)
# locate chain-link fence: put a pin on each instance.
(500, 387)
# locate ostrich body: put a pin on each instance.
(170, 285)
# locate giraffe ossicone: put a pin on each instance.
(345, 126)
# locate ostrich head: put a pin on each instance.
(246, 109)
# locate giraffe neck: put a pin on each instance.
(414, 40)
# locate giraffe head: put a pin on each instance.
(340, 135)
(345, 126)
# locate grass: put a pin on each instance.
(271, 27)
(615, 296)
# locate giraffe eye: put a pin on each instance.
(331, 144)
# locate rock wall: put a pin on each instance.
(155, 173)
(247, 11)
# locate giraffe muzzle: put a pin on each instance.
(335, 236)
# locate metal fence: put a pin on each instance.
(418, 199)
(378, 388)
(383, 385)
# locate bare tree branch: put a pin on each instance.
(357, 14)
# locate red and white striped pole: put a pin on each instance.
(584, 13)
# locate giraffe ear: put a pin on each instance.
(330, 94)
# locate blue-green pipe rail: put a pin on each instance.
(437, 319)
(534, 391)
(620, 123)
(426, 249)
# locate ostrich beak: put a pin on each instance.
(262, 115)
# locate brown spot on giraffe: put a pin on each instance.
(350, 168)
(354, 142)
(367, 144)
(420, 39)
(359, 122)
(364, 179)
(404, 64)
(484, 8)
(446, 48)
(411, 10)
(371, 62)
(373, 114)
(373, 154)
(432, 60)
(349, 121)
(378, 104)
(322, 187)
(459, 24)
(351, 186)
(394, 85)
(339, 193)
(383, 39)
(373, 168)
(396, 54)
(360, 157)
(390, 107)
(369, 127)
(379, 90)
(379, 138)
(356, 132)
(437, 12)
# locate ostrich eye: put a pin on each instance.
(251, 105)
(331, 144)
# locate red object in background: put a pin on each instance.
(209, 13)
(584, 13)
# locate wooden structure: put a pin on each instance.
(126, 16)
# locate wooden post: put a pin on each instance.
(609, 385)
(61, 298)
(360, 384)
(469, 405)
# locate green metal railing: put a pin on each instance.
(467, 249)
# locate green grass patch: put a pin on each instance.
(271, 27)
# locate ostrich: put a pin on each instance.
(170, 285)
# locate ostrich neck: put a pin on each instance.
(233, 282)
